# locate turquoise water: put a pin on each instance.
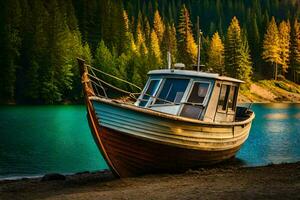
(274, 136)
(35, 140)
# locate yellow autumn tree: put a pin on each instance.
(126, 20)
(271, 46)
(284, 42)
(158, 26)
(155, 49)
(169, 43)
(130, 44)
(216, 54)
(140, 38)
(187, 46)
(147, 30)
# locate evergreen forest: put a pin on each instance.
(40, 41)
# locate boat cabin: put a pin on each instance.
(192, 94)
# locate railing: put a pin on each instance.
(98, 83)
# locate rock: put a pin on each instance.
(53, 177)
(81, 173)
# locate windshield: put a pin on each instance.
(172, 91)
(150, 92)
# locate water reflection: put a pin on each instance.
(275, 135)
(297, 116)
(277, 105)
(275, 116)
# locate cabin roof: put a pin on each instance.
(190, 73)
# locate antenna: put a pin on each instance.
(199, 34)
(169, 59)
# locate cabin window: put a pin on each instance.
(227, 99)
(172, 91)
(191, 111)
(223, 98)
(150, 92)
(198, 93)
(191, 108)
(232, 98)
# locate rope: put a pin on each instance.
(97, 89)
(110, 85)
(112, 76)
(100, 85)
(132, 95)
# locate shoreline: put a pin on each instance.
(276, 181)
(79, 104)
(231, 163)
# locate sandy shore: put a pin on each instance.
(270, 182)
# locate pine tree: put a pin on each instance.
(126, 21)
(237, 55)
(233, 45)
(173, 41)
(86, 53)
(147, 30)
(205, 46)
(295, 51)
(34, 52)
(103, 58)
(140, 38)
(216, 55)
(158, 26)
(9, 43)
(128, 41)
(57, 78)
(244, 71)
(271, 46)
(155, 48)
(187, 46)
(284, 41)
(254, 42)
(169, 43)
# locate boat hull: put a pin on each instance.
(131, 150)
(132, 156)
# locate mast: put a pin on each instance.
(169, 60)
(199, 34)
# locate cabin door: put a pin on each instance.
(227, 103)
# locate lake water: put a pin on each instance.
(35, 140)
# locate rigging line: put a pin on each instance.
(96, 84)
(110, 85)
(100, 85)
(132, 95)
(126, 92)
(112, 76)
(116, 88)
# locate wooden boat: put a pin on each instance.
(182, 119)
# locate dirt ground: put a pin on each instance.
(270, 182)
(266, 93)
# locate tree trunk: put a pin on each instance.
(275, 75)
